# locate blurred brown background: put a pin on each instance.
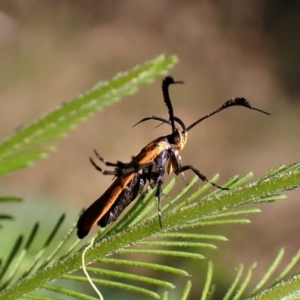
(52, 50)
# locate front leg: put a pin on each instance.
(159, 193)
(175, 163)
(199, 174)
(157, 178)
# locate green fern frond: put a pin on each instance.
(236, 290)
(286, 289)
(8, 199)
(222, 208)
(26, 145)
(292, 264)
(207, 286)
(234, 284)
(15, 259)
(142, 264)
(5, 217)
(138, 234)
(186, 290)
(198, 236)
(19, 259)
(269, 272)
(10, 258)
(281, 288)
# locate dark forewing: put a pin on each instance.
(101, 206)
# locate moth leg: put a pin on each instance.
(175, 163)
(104, 172)
(118, 164)
(134, 168)
(178, 160)
(199, 174)
(159, 193)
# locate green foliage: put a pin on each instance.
(137, 236)
(22, 148)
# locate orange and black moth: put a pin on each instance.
(148, 166)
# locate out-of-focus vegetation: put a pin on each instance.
(51, 51)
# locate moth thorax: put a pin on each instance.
(181, 140)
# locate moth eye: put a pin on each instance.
(176, 139)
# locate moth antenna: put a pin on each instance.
(164, 121)
(157, 118)
(238, 101)
(165, 89)
(159, 125)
